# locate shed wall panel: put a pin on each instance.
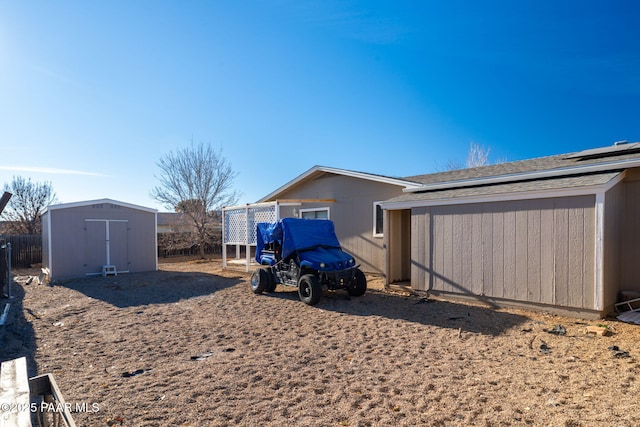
(488, 252)
(46, 256)
(420, 251)
(78, 246)
(629, 236)
(547, 254)
(538, 251)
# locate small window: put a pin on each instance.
(319, 213)
(378, 216)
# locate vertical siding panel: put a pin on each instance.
(487, 251)
(447, 271)
(498, 254)
(589, 255)
(576, 251)
(477, 251)
(438, 249)
(466, 251)
(418, 243)
(521, 282)
(457, 245)
(509, 254)
(534, 267)
(428, 248)
(561, 237)
(417, 239)
(547, 252)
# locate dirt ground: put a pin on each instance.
(190, 345)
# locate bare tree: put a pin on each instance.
(478, 155)
(26, 206)
(197, 181)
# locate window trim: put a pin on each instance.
(327, 209)
(375, 217)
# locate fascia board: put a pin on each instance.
(97, 202)
(505, 197)
(549, 173)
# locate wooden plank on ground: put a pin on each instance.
(14, 394)
(45, 385)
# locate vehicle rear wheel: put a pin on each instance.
(358, 285)
(259, 280)
(309, 289)
(271, 281)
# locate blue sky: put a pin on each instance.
(93, 93)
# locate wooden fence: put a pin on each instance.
(26, 250)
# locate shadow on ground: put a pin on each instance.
(156, 287)
(17, 337)
(443, 314)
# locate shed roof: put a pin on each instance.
(571, 173)
(97, 202)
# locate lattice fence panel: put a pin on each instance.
(240, 223)
(260, 214)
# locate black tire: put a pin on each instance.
(309, 289)
(271, 281)
(358, 285)
(259, 280)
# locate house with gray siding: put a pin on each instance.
(349, 198)
(97, 237)
(556, 232)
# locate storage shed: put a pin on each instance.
(98, 237)
(560, 232)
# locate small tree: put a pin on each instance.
(26, 206)
(478, 155)
(197, 181)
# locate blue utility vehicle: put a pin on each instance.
(306, 254)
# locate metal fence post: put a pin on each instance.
(9, 269)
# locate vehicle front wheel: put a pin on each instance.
(309, 289)
(259, 281)
(358, 285)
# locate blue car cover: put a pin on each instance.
(295, 234)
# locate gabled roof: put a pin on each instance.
(583, 172)
(98, 202)
(317, 171)
(171, 218)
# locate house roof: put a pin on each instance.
(317, 171)
(97, 202)
(576, 173)
(171, 218)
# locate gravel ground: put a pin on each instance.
(190, 345)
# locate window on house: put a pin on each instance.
(318, 213)
(377, 219)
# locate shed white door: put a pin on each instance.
(106, 243)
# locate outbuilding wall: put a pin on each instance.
(629, 242)
(534, 251)
(76, 239)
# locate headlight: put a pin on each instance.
(323, 265)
